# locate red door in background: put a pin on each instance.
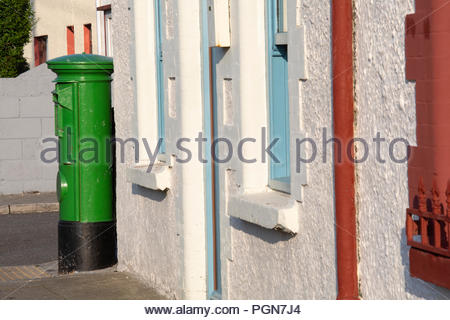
(70, 40)
(87, 28)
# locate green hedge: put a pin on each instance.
(16, 23)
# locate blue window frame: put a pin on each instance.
(279, 172)
(160, 75)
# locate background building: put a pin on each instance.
(62, 27)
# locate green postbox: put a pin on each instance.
(85, 185)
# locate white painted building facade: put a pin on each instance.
(270, 244)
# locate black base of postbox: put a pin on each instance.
(86, 246)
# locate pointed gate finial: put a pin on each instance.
(448, 198)
(435, 198)
(421, 196)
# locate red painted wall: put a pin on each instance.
(428, 63)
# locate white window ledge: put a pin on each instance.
(158, 179)
(271, 210)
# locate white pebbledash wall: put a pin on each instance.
(147, 242)
(161, 234)
(26, 118)
(259, 263)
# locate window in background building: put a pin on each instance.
(40, 50)
(70, 40)
(104, 29)
(87, 38)
(108, 33)
(279, 172)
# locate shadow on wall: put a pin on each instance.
(267, 235)
(154, 195)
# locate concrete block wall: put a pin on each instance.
(26, 118)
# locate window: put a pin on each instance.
(87, 38)
(70, 40)
(160, 74)
(281, 16)
(279, 172)
(104, 28)
(40, 50)
(108, 34)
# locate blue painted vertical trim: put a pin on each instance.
(218, 292)
(212, 293)
(279, 173)
(160, 75)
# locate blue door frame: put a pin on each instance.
(279, 173)
(212, 201)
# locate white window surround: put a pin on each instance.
(145, 122)
(147, 101)
(249, 199)
(270, 209)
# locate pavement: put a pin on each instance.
(28, 239)
(28, 261)
(28, 203)
(99, 285)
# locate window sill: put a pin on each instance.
(158, 179)
(271, 210)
